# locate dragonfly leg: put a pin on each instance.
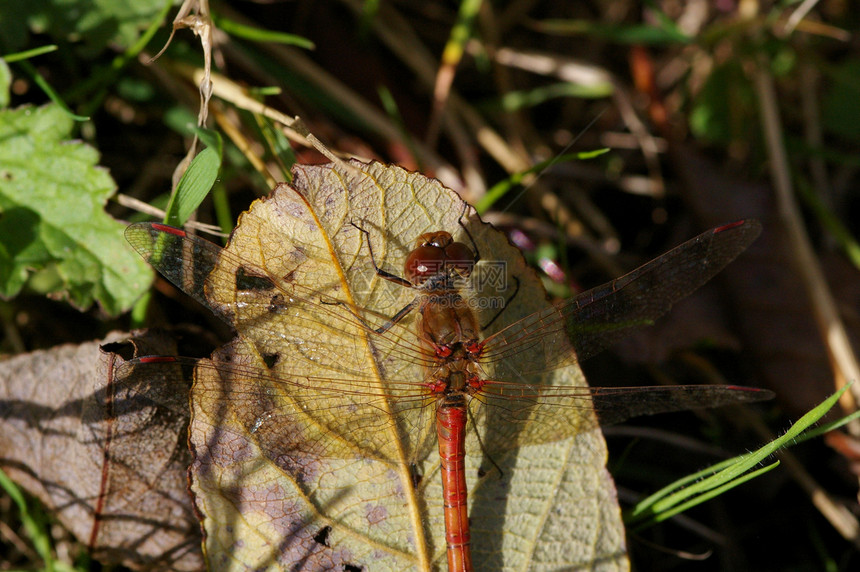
(361, 320)
(398, 316)
(379, 271)
(475, 263)
(481, 445)
(384, 327)
(471, 238)
(508, 301)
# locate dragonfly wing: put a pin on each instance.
(601, 316)
(289, 415)
(614, 405)
(184, 260)
(249, 297)
(238, 291)
(519, 414)
(318, 351)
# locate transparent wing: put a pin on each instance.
(521, 414)
(597, 318)
(310, 387)
(200, 268)
(292, 417)
(301, 348)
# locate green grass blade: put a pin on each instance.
(501, 188)
(393, 112)
(259, 34)
(831, 222)
(34, 526)
(196, 181)
(28, 54)
(460, 32)
(49, 91)
(704, 497)
(517, 100)
(724, 475)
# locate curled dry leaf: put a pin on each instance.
(282, 479)
(110, 464)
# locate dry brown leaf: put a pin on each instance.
(111, 465)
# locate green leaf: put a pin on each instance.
(196, 181)
(96, 23)
(54, 232)
(211, 139)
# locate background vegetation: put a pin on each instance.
(711, 112)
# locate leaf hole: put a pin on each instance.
(322, 536)
(271, 360)
(416, 476)
(276, 304)
(245, 281)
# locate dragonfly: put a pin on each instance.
(492, 384)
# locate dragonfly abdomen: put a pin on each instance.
(451, 431)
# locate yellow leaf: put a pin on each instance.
(323, 452)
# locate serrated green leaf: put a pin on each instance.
(52, 219)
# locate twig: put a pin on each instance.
(829, 322)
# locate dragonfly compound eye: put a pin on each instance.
(424, 262)
(460, 259)
(438, 239)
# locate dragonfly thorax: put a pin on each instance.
(447, 320)
(454, 377)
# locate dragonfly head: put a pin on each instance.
(437, 254)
